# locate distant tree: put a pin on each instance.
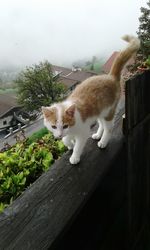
(38, 86)
(1, 81)
(87, 63)
(143, 55)
(144, 30)
(94, 59)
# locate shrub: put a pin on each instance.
(38, 135)
(24, 163)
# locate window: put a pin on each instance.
(4, 122)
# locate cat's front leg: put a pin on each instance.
(68, 141)
(78, 149)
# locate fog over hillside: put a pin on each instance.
(63, 31)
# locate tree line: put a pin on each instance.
(38, 86)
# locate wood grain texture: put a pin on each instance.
(138, 156)
(40, 214)
(137, 99)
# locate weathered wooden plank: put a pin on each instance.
(138, 157)
(40, 214)
(143, 239)
(95, 227)
(135, 213)
(138, 177)
(137, 99)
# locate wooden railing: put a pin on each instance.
(41, 214)
(104, 201)
(138, 158)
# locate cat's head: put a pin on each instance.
(59, 118)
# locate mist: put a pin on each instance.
(64, 31)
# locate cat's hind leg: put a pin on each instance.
(107, 122)
(107, 126)
(99, 132)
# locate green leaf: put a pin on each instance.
(47, 161)
(23, 181)
(1, 174)
(2, 206)
(61, 146)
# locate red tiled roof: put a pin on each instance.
(107, 66)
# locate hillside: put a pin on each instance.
(96, 67)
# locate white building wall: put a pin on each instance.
(5, 121)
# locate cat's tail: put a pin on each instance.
(124, 55)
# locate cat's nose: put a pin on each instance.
(60, 136)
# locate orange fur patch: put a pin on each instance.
(68, 116)
(111, 114)
(95, 94)
(50, 114)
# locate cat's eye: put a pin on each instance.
(65, 126)
(54, 127)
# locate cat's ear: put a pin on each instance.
(47, 111)
(71, 110)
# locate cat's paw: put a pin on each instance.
(74, 160)
(96, 136)
(102, 144)
(69, 144)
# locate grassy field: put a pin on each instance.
(8, 91)
(96, 67)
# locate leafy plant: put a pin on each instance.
(147, 62)
(24, 163)
(38, 135)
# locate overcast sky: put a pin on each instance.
(63, 31)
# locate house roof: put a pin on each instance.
(67, 76)
(70, 77)
(107, 66)
(7, 102)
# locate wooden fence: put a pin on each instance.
(138, 159)
(126, 225)
(107, 195)
(43, 213)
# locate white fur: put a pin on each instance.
(60, 131)
(59, 123)
(99, 132)
(76, 136)
(81, 132)
(107, 129)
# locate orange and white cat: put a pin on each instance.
(96, 98)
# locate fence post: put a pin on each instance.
(138, 158)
